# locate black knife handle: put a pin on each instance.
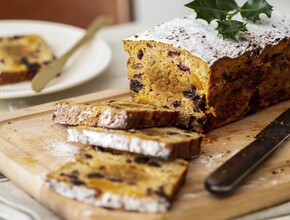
(233, 171)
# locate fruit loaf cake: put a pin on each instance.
(185, 65)
(21, 57)
(120, 181)
(119, 114)
(163, 142)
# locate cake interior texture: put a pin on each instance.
(184, 65)
(162, 142)
(120, 180)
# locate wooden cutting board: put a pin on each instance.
(32, 145)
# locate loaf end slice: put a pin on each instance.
(120, 181)
(120, 114)
(163, 142)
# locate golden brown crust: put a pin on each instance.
(208, 96)
(248, 83)
(13, 77)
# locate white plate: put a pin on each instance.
(88, 62)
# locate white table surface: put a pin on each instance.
(115, 76)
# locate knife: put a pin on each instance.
(225, 178)
(48, 72)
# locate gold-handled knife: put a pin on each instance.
(233, 171)
(48, 72)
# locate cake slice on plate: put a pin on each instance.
(21, 57)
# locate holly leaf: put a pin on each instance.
(224, 10)
(230, 29)
(252, 9)
(212, 10)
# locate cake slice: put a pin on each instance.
(184, 65)
(120, 181)
(120, 114)
(22, 56)
(164, 142)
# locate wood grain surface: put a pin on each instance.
(32, 145)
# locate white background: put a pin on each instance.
(164, 10)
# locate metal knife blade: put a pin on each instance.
(225, 178)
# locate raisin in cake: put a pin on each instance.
(119, 114)
(21, 57)
(184, 65)
(120, 181)
(164, 142)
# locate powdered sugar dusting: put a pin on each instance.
(119, 141)
(190, 196)
(254, 182)
(62, 149)
(274, 182)
(108, 199)
(211, 161)
(196, 36)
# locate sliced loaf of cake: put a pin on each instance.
(120, 114)
(120, 181)
(163, 142)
